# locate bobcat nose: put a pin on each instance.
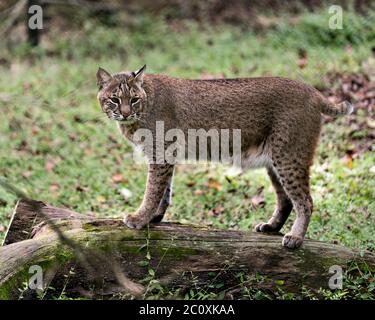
(125, 110)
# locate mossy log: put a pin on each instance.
(84, 256)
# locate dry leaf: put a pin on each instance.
(49, 165)
(214, 184)
(216, 211)
(198, 192)
(117, 178)
(54, 186)
(258, 200)
(35, 130)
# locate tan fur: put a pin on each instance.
(279, 120)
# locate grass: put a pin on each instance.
(57, 148)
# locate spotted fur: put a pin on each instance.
(279, 118)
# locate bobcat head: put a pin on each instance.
(121, 96)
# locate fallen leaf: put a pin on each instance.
(117, 178)
(216, 211)
(49, 165)
(2, 228)
(54, 186)
(198, 192)
(35, 130)
(258, 201)
(214, 184)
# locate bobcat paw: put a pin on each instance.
(135, 221)
(292, 242)
(265, 227)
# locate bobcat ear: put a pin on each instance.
(102, 77)
(137, 76)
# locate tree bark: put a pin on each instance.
(81, 255)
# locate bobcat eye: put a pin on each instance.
(134, 100)
(115, 100)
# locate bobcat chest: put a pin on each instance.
(127, 130)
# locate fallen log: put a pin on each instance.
(84, 256)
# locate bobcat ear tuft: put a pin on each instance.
(102, 77)
(138, 76)
(139, 73)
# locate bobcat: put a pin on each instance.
(279, 120)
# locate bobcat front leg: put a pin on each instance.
(157, 182)
(165, 202)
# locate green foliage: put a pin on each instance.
(313, 30)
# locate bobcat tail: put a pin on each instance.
(342, 108)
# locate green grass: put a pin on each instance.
(50, 116)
